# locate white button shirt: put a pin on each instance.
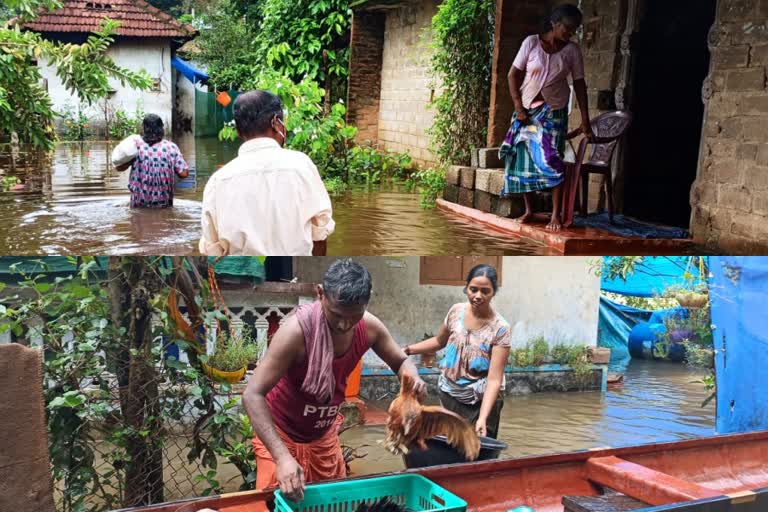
(268, 201)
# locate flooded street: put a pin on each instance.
(657, 402)
(74, 202)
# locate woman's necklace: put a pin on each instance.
(484, 320)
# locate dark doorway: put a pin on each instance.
(671, 60)
(278, 268)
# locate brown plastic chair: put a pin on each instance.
(608, 128)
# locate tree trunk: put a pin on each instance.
(132, 285)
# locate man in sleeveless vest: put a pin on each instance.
(294, 395)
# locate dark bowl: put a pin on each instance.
(439, 452)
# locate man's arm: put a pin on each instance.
(287, 342)
(317, 204)
(210, 244)
(393, 355)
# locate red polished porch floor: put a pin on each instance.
(574, 240)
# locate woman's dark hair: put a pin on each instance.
(563, 13)
(481, 270)
(153, 129)
(254, 111)
(348, 283)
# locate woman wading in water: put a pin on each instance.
(477, 342)
(538, 81)
(158, 161)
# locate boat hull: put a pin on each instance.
(711, 474)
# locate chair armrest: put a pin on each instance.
(573, 134)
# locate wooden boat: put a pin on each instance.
(712, 474)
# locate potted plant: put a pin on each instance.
(231, 357)
(696, 294)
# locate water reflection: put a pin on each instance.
(74, 202)
(658, 401)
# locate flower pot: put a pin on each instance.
(220, 375)
(692, 300)
(600, 355)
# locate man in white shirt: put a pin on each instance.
(268, 201)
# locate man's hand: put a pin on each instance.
(290, 478)
(420, 387)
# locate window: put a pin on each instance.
(98, 6)
(453, 270)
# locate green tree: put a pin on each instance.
(307, 38)
(112, 398)
(225, 27)
(461, 63)
(300, 39)
(25, 106)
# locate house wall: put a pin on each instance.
(730, 195)
(554, 297)
(404, 113)
(184, 105)
(151, 54)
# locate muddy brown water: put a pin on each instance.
(74, 202)
(658, 401)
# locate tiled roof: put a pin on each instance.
(137, 19)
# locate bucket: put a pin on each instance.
(439, 452)
(189, 182)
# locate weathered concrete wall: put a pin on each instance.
(604, 22)
(184, 106)
(730, 195)
(152, 55)
(365, 61)
(518, 382)
(555, 297)
(404, 113)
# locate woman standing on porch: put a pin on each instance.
(538, 82)
(477, 340)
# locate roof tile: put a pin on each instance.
(137, 18)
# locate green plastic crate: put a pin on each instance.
(414, 491)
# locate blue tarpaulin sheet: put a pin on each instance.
(628, 227)
(615, 321)
(651, 277)
(193, 74)
(738, 296)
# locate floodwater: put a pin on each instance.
(658, 401)
(74, 202)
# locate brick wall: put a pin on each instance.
(604, 23)
(366, 53)
(730, 195)
(404, 115)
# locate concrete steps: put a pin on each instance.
(479, 185)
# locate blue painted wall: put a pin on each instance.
(739, 300)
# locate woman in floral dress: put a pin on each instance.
(158, 161)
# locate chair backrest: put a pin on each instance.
(610, 125)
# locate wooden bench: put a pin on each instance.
(606, 503)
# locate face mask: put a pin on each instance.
(282, 134)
